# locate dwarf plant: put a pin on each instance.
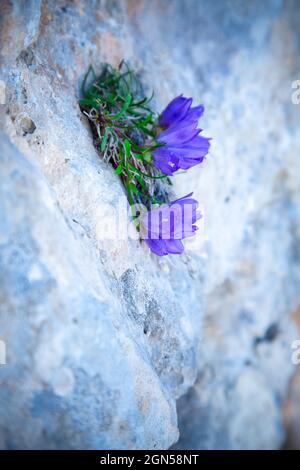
(124, 128)
(145, 150)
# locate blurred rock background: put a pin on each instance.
(108, 346)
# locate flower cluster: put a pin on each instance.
(146, 150)
(164, 227)
(182, 147)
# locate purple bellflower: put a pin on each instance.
(182, 146)
(164, 227)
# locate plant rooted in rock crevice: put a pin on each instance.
(124, 129)
(145, 150)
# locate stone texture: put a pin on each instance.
(291, 409)
(74, 376)
(102, 337)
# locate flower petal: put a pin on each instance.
(157, 246)
(165, 161)
(167, 225)
(178, 135)
(194, 114)
(176, 110)
(174, 246)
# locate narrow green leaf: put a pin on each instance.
(146, 131)
(147, 157)
(140, 181)
(136, 170)
(124, 107)
(87, 102)
(83, 86)
(139, 103)
(127, 147)
(147, 119)
(133, 188)
(104, 139)
(119, 169)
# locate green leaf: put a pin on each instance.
(139, 103)
(104, 139)
(119, 169)
(140, 181)
(127, 147)
(146, 131)
(124, 107)
(87, 102)
(147, 157)
(147, 119)
(83, 86)
(133, 188)
(135, 170)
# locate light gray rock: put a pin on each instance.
(102, 338)
(75, 376)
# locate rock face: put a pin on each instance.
(108, 346)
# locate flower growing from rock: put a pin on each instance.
(145, 150)
(181, 143)
(164, 227)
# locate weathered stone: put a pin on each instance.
(75, 376)
(102, 338)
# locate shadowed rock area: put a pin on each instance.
(108, 346)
